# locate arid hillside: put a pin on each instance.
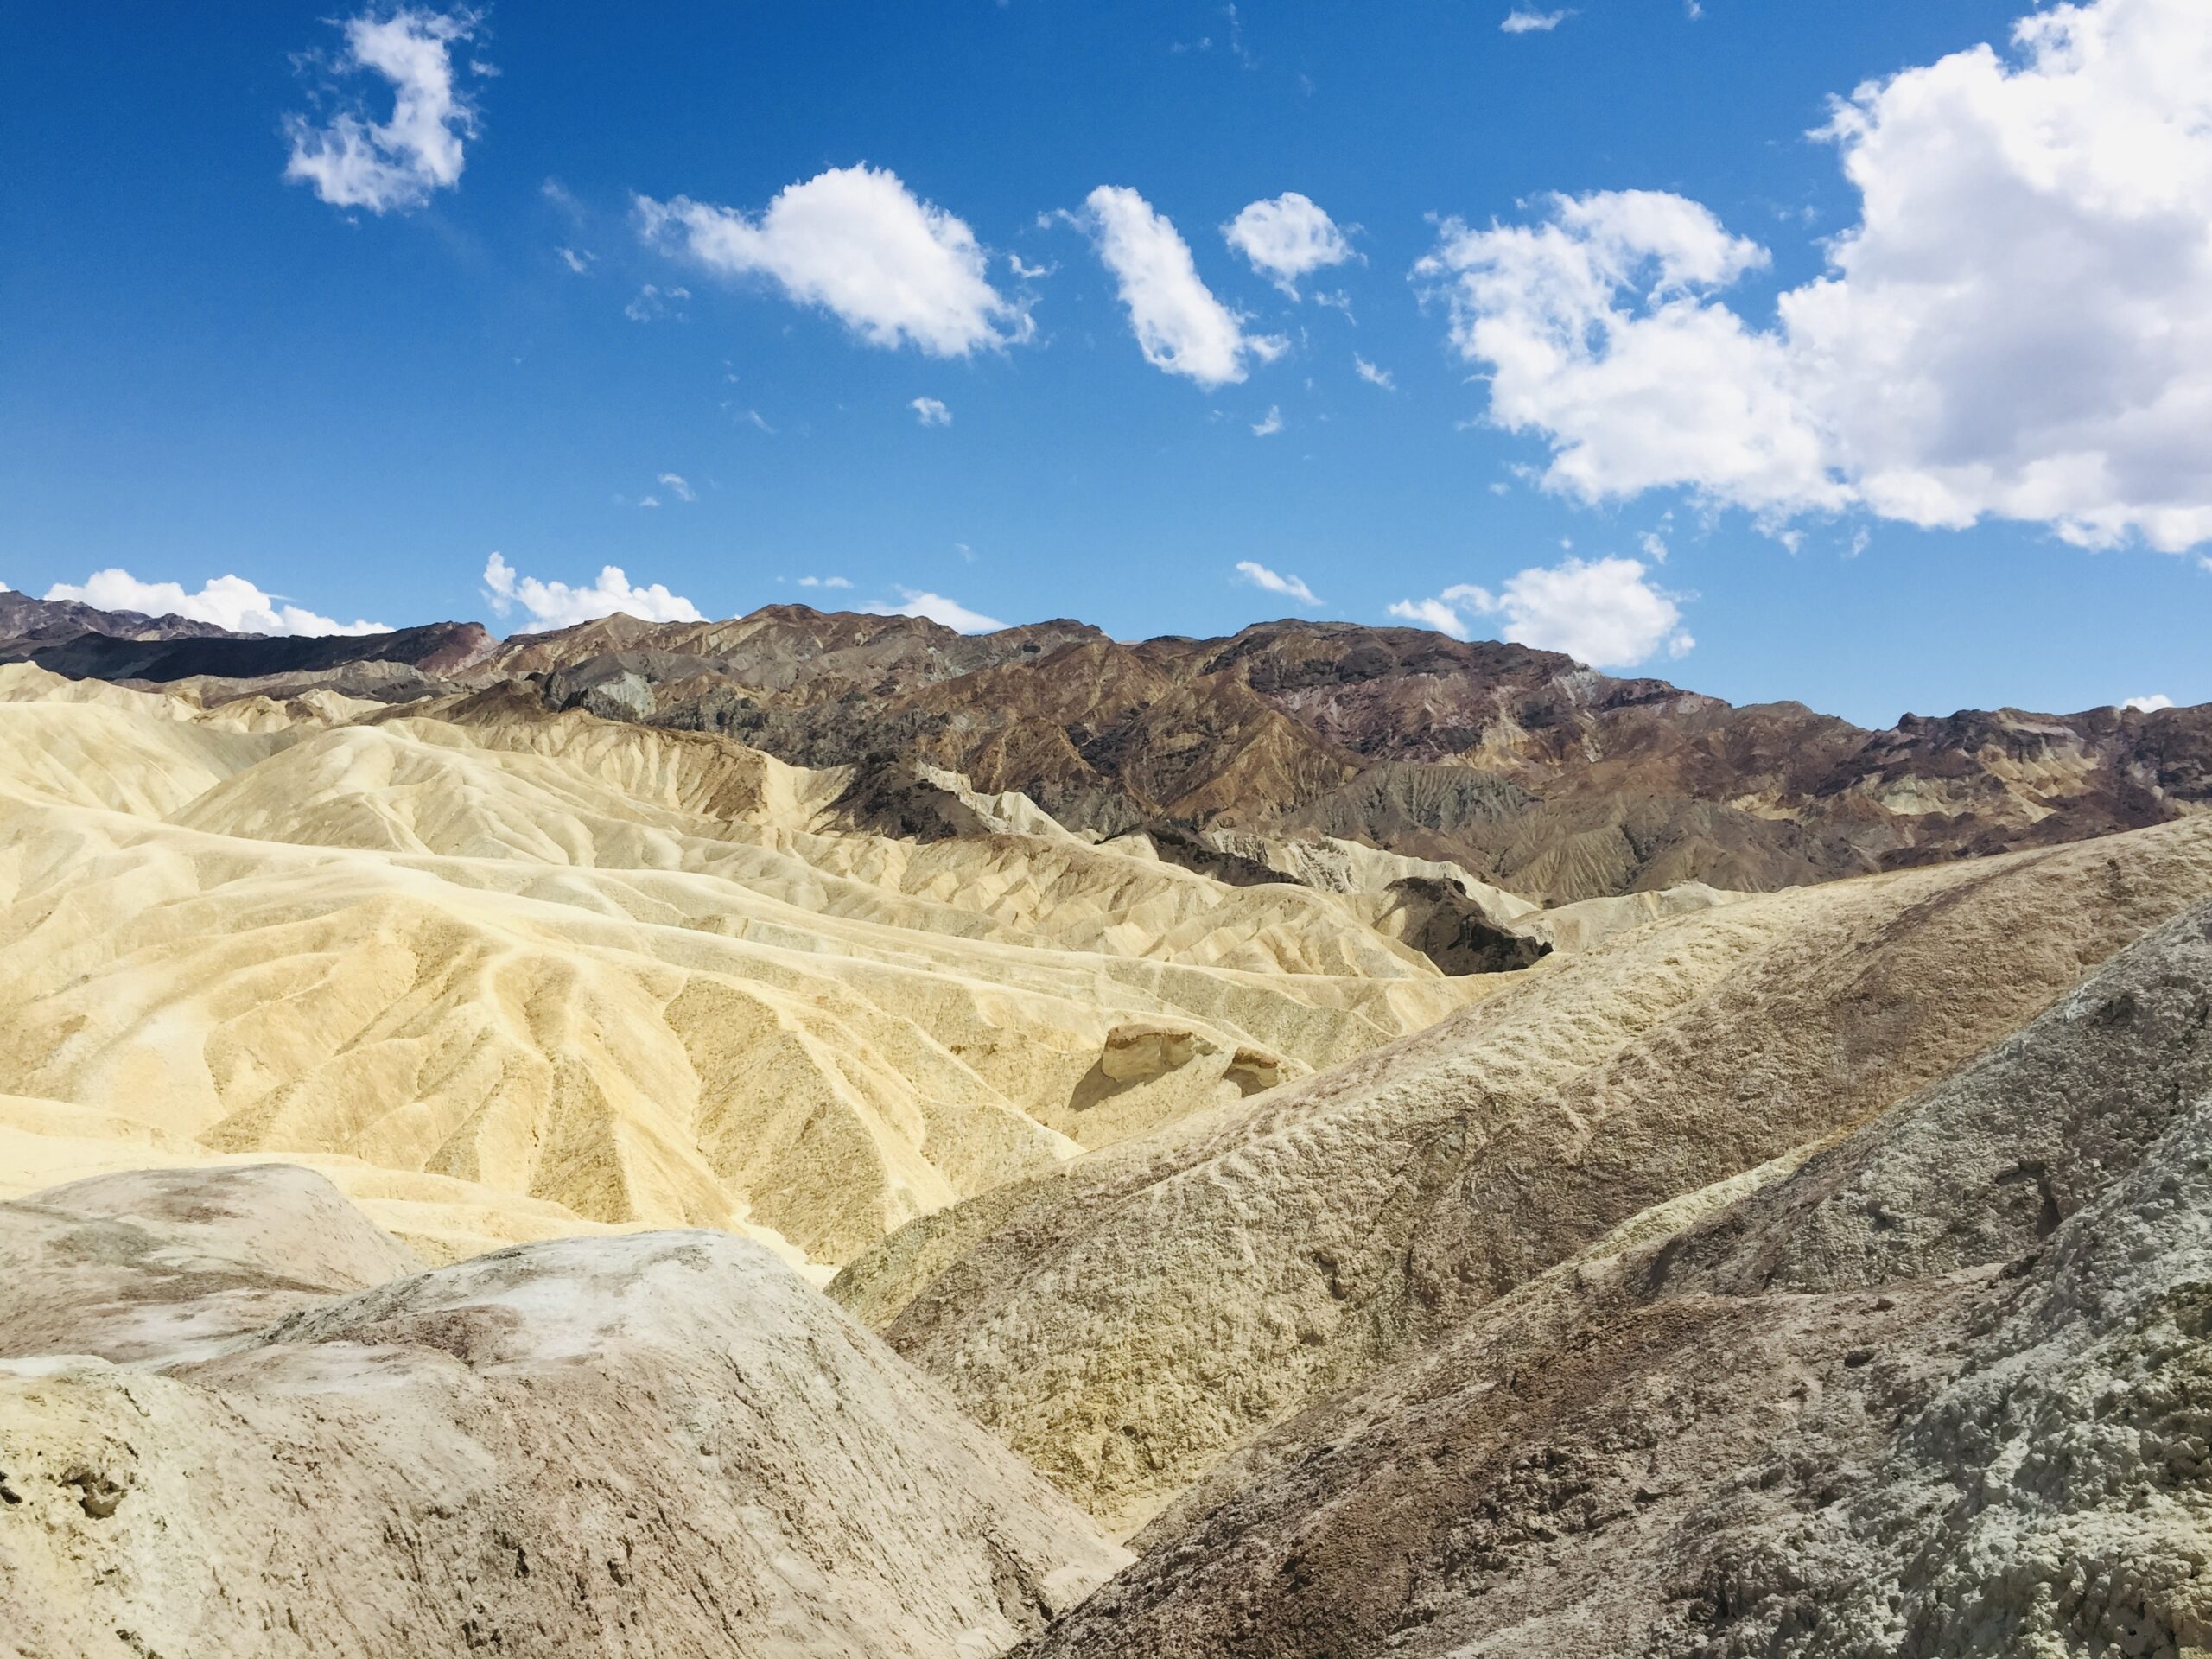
(1535, 774)
(507, 973)
(816, 1135)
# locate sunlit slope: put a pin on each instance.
(1132, 1318)
(639, 975)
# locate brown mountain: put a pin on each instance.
(1534, 771)
(1530, 770)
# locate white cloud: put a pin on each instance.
(1269, 424)
(1600, 611)
(1431, 613)
(2149, 705)
(1180, 326)
(1289, 587)
(1534, 23)
(929, 412)
(857, 243)
(230, 602)
(1026, 273)
(1287, 237)
(1373, 375)
(2018, 325)
(1675, 390)
(652, 303)
(677, 485)
(824, 582)
(649, 501)
(938, 608)
(578, 262)
(351, 162)
(556, 605)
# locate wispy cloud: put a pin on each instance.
(1373, 375)
(1268, 425)
(824, 582)
(1259, 575)
(676, 485)
(652, 303)
(929, 412)
(1534, 23)
(949, 613)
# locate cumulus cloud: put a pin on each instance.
(2016, 327)
(855, 242)
(824, 582)
(929, 412)
(1603, 611)
(230, 602)
(2149, 705)
(1373, 375)
(1534, 22)
(1285, 238)
(1289, 587)
(951, 613)
(557, 605)
(1672, 389)
(350, 160)
(1180, 326)
(677, 485)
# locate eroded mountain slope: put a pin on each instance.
(1942, 1387)
(1129, 1319)
(637, 976)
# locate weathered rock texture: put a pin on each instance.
(1131, 1319)
(1942, 1387)
(661, 1445)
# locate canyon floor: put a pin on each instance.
(818, 1135)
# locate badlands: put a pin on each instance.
(815, 1134)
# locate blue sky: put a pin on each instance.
(211, 369)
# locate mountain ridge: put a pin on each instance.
(1625, 784)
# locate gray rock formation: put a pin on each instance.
(1942, 1390)
(657, 1443)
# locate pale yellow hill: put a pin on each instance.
(619, 975)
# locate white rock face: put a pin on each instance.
(660, 1444)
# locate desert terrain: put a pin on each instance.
(817, 1134)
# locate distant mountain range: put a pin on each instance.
(1533, 772)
